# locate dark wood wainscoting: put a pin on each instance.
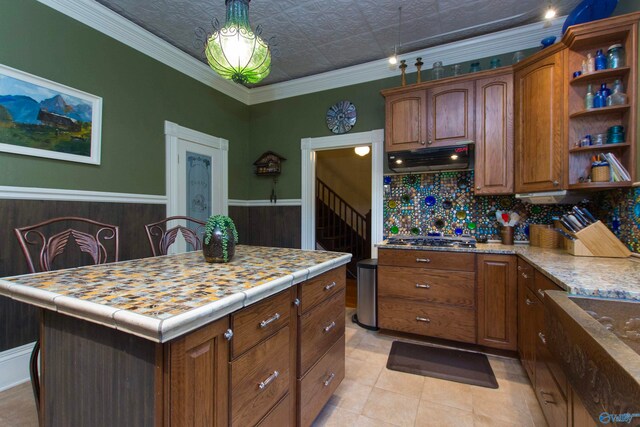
(277, 226)
(18, 322)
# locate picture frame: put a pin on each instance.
(42, 118)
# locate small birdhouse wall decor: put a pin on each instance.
(269, 164)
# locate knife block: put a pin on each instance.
(597, 240)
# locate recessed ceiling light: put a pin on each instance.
(393, 59)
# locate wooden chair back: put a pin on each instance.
(90, 236)
(161, 238)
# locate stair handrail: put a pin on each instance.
(359, 216)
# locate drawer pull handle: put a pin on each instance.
(418, 285)
(427, 260)
(519, 268)
(542, 338)
(545, 400)
(525, 275)
(269, 380)
(270, 320)
(228, 334)
(296, 302)
(330, 326)
(329, 379)
(423, 319)
(541, 292)
(330, 286)
(528, 301)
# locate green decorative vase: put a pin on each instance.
(220, 239)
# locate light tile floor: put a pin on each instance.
(372, 395)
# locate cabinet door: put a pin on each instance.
(539, 123)
(199, 377)
(406, 121)
(497, 301)
(494, 135)
(450, 110)
(526, 319)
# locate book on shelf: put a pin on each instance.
(617, 171)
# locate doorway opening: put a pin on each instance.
(313, 198)
(343, 208)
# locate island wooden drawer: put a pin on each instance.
(438, 260)
(259, 321)
(315, 389)
(319, 329)
(317, 289)
(259, 379)
(280, 415)
(434, 320)
(439, 286)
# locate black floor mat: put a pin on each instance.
(444, 363)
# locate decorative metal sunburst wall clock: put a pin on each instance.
(341, 117)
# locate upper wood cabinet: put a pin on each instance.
(494, 135)
(406, 121)
(497, 301)
(450, 111)
(540, 112)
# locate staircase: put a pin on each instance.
(339, 227)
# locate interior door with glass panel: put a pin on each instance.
(196, 178)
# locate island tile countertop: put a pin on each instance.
(164, 297)
(616, 278)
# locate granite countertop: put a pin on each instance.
(616, 278)
(164, 297)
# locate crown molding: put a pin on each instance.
(106, 21)
(506, 41)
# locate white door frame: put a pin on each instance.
(174, 132)
(309, 146)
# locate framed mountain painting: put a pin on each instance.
(42, 118)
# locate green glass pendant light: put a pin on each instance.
(235, 51)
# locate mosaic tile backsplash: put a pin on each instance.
(445, 202)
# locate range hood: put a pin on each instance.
(561, 197)
(432, 159)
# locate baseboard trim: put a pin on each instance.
(253, 203)
(35, 193)
(14, 366)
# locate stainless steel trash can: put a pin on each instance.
(367, 310)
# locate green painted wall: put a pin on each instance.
(280, 125)
(139, 94)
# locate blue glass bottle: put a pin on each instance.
(601, 60)
(599, 101)
(605, 90)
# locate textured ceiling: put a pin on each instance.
(314, 36)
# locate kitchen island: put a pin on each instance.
(175, 341)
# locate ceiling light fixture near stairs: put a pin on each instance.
(362, 150)
(235, 51)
